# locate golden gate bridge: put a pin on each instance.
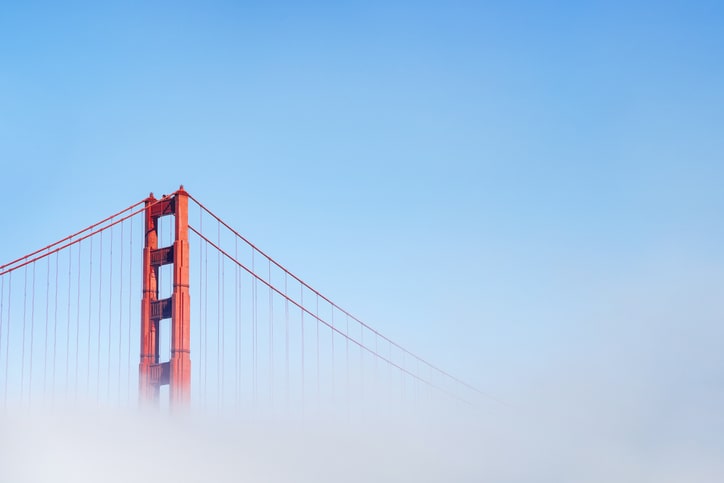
(164, 303)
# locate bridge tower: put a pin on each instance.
(176, 373)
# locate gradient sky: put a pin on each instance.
(515, 191)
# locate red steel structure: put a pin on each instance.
(176, 373)
(262, 336)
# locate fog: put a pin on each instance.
(589, 432)
(631, 392)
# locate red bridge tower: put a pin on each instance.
(175, 373)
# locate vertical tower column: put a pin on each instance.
(180, 312)
(148, 392)
(176, 373)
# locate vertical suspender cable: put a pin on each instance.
(222, 290)
(377, 355)
(201, 321)
(45, 343)
(120, 319)
(7, 339)
(415, 383)
(403, 381)
(271, 337)
(286, 335)
(218, 318)
(206, 318)
(253, 330)
(32, 336)
(67, 322)
(110, 319)
(346, 352)
(25, 309)
(90, 308)
(100, 304)
(301, 311)
(361, 361)
(130, 295)
(77, 329)
(241, 339)
(388, 380)
(317, 324)
(334, 376)
(236, 324)
(2, 307)
(55, 324)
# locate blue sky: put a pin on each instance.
(506, 189)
